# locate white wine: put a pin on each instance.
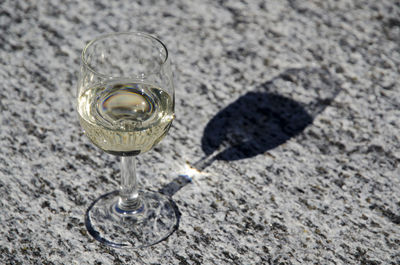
(125, 118)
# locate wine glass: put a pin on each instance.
(125, 103)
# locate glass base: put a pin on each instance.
(152, 222)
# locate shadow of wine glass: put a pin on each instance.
(269, 116)
(253, 124)
(263, 119)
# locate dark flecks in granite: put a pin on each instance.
(181, 259)
(73, 194)
(395, 218)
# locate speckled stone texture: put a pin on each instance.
(289, 110)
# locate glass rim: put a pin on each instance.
(104, 36)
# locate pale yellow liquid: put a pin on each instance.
(125, 118)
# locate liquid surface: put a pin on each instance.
(125, 118)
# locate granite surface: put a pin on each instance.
(285, 149)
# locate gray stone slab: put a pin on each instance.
(288, 109)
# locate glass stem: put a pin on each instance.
(129, 200)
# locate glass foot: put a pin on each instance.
(154, 221)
